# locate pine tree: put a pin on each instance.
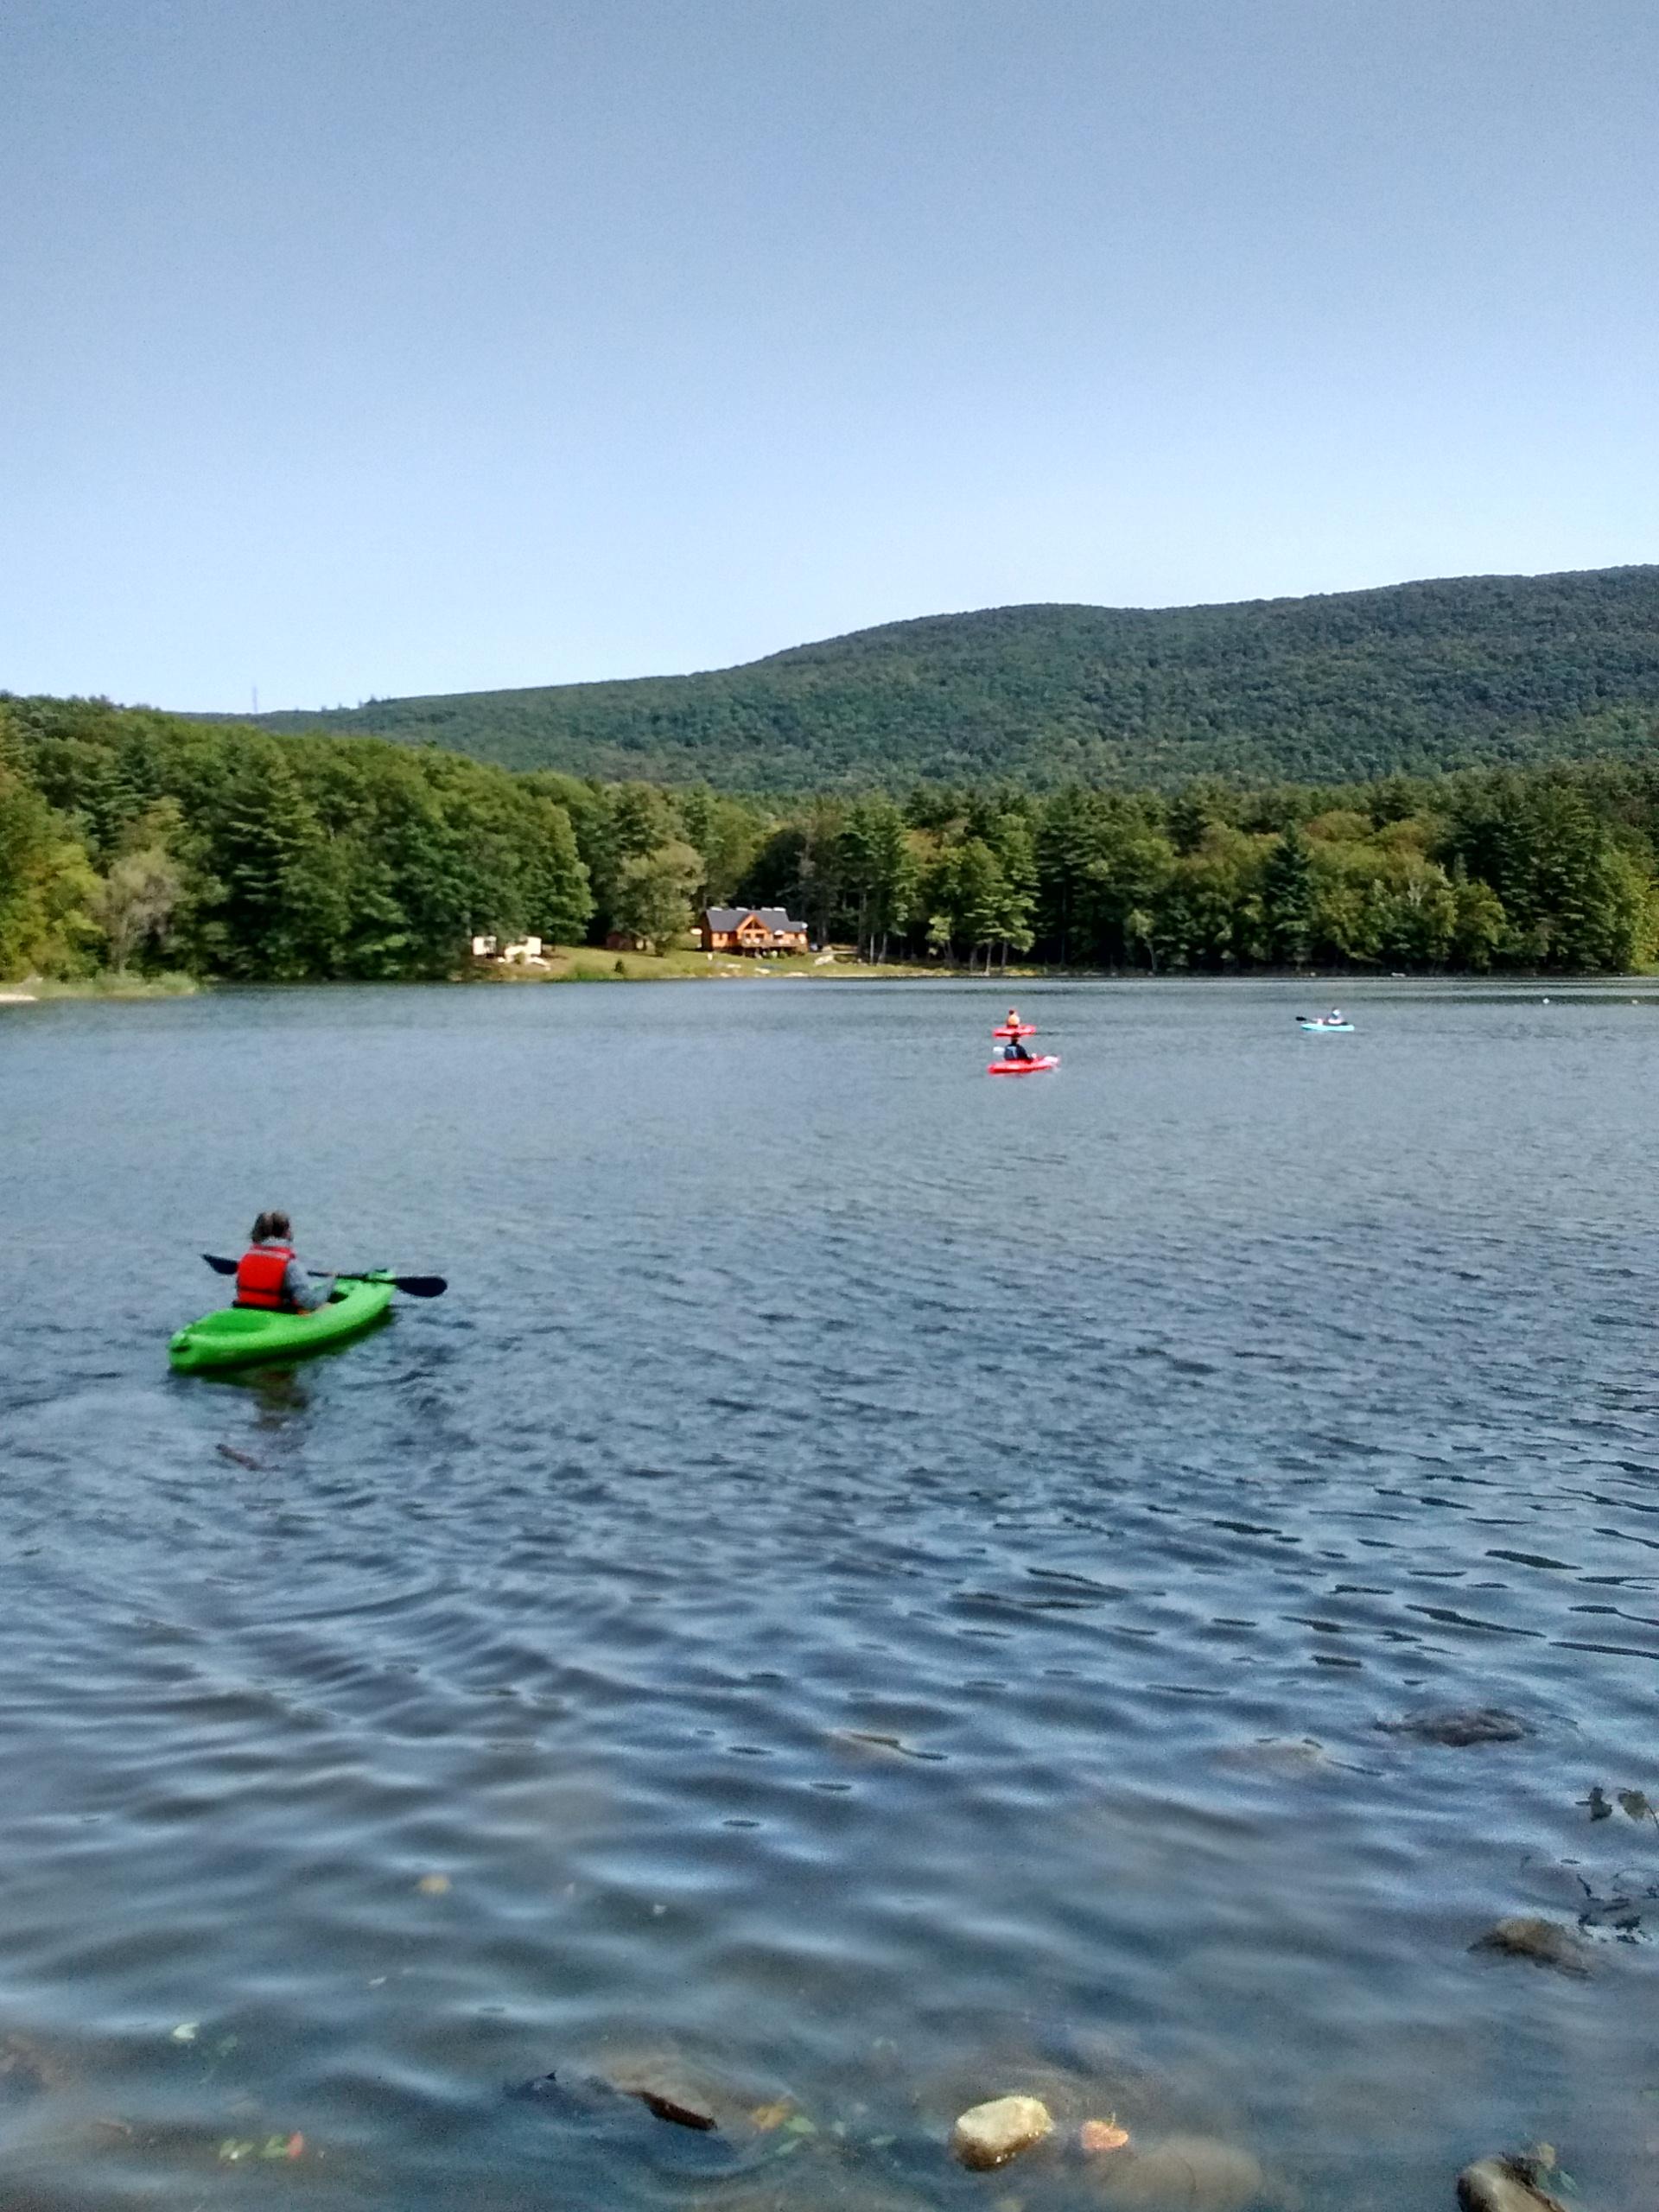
(267, 830)
(1287, 895)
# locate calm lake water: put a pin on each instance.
(876, 1588)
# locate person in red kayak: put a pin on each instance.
(270, 1276)
(1016, 1048)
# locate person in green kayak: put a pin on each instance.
(270, 1276)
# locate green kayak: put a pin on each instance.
(237, 1335)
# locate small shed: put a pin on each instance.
(752, 929)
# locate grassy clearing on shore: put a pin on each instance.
(589, 963)
(581, 964)
(107, 984)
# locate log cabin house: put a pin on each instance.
(752, 929)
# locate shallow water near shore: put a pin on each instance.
(876, 1588)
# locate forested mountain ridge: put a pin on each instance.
(1411, 678)
(140, 843)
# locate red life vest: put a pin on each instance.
(259, 1276)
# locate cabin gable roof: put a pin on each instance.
(728, 920)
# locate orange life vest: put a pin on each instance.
(259, 1276)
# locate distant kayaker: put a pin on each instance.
(1334, 1016)
(270, 1276)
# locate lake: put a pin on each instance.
(875, 1589)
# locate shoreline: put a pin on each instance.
(596, 965)
(34, 990)
(588, 964)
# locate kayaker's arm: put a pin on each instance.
(303, 1291)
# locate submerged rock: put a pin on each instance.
(800, 2186)
(1504, 2184)
(1184, 2173)
(1545, 1943)
(1460, 1726)
(1095, 2136)
(666, 2095)
(1078, 2077)
(990, 2134)
(28, 2070)
(662, 2108)
(1285, 1756)
(668, 2090)
(539, 2085)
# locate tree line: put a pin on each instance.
(132, 840)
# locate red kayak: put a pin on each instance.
(1040, 1065)
(1015, 1029)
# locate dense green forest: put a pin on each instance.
(1414, 679)
(141, 842)
(131, 838)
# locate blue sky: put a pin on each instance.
(354, 347)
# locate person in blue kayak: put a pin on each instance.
(270, 1276)
(1334, 1017)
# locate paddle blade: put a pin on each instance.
(220, 1266)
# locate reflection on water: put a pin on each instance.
(876, 1589)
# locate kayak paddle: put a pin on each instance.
(411, 1286)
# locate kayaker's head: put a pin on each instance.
(275, 1225)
